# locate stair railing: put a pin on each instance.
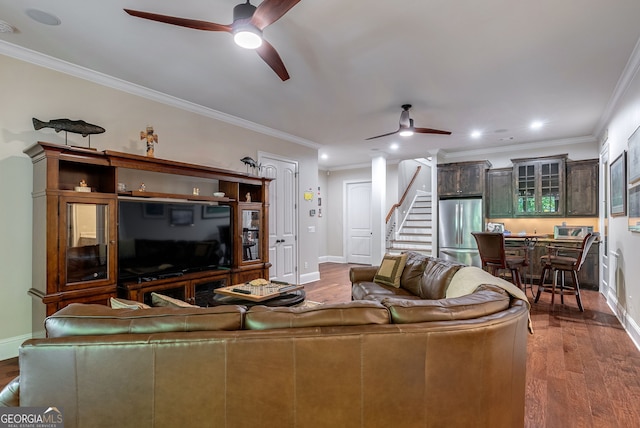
(390, 228)
(404, 195)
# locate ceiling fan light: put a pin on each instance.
(248, 37)
(408, 132)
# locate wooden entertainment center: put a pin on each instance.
(76, 194)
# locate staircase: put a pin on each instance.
(416, 232)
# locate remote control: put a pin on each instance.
(240, 290)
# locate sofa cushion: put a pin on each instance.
(375, 291)
(339, 314)
(390, 270)
(426, 276)
(161, 300)
(118, 303)
(486, 300)
(10, 395)
(80, 319)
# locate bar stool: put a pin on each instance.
(493, 256)
(558, 261)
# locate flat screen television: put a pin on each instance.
(158, 239)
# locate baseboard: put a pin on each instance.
(9, 347)
(323, 259)
(333, 259)
(630, 326)
(309, 277)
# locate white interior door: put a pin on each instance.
(283, 249)
(358, 225)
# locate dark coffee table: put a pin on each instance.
(287, 299)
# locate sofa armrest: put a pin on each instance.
(362, 273)
(10, 394)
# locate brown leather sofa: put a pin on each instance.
(405, 362)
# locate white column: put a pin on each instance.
(378, 204)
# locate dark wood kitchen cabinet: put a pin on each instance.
(499, 193)
(582, 188)
(462, 178)
(539, 186)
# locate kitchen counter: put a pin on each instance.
(589, 274)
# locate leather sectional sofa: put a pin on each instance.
(392, 357)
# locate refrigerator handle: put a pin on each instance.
(461, 228)
(457, 224)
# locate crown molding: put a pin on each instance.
(628, 74)
(356, 165)
(516, 147)
(84, 73)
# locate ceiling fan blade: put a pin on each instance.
(271, 57)
(430, 131)
(269, 11)
(383, 135)
(182, 22)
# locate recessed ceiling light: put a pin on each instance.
(536, 124)
(43, 17)
(324, 156)
(476, 134)
(394, 146)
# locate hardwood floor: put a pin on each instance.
(583, 370)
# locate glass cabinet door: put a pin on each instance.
(251, 229)
(539, 187)
(88, 251)
(526, 189)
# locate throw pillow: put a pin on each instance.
(158, 299)
(117, 303)
(390, 270)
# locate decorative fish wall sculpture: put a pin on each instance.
(67, 125)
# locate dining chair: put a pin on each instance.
(494, 257)
(561, 259)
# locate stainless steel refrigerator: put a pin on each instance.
(457, 218)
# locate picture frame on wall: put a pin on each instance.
(634, 156)
(618, 182)
(634, 208)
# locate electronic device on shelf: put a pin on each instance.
(159, 239)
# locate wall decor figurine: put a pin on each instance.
(250, 163)
(151, 139)
(74, 126)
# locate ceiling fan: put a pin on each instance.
(406, 128)
(248, 23)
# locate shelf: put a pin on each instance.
(145, 194)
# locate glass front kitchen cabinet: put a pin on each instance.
(539, 186)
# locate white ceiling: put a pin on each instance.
(492, 65)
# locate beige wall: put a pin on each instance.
(335, 210)
(624, 284)
(184, 135)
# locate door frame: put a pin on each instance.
(603, 219)
(263, 154)
(345, 223)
